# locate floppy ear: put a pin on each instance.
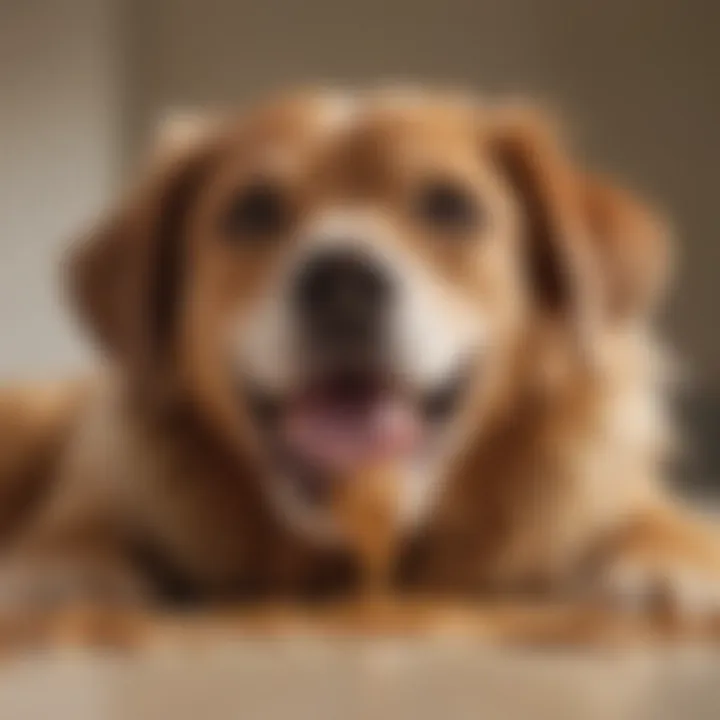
(126, 276)
(593, 249)
(631, 242)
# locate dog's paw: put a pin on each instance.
(55, 584)
(685, 589)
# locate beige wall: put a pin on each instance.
(638, 78)
(58, 158)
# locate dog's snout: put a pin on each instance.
(338, 277)
(341, 296)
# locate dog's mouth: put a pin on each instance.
(345, 419)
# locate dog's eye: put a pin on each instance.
(258, 211)
(447, 206)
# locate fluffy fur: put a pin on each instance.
(151, 478)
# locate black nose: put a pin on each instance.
(341, 296)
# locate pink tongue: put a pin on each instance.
(336, 435)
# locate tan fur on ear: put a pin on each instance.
(559, 263)
(124, 276)
(632, 243)
(590, 243)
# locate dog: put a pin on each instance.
(330, 277)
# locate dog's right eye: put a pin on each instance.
(257, 212)
(447, 206)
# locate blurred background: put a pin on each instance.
(83, 83)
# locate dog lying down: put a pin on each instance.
(383, 343)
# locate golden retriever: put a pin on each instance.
(332, 279)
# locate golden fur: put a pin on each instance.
(149, 478)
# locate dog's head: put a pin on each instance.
(332, 279)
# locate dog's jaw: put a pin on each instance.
(420, 479)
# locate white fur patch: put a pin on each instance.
(337, 111)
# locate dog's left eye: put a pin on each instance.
(447, 206)
(258, 211)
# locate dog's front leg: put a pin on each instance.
(663, 556)
(77, 550)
